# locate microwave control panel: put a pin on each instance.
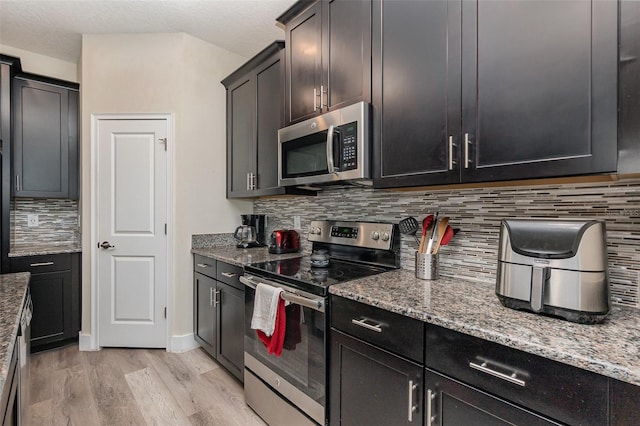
(348, 137)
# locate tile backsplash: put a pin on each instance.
(472, 254)
(57, 221)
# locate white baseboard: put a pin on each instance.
(182, 343)
(86, 342)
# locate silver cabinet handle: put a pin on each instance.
(228, 274)
(17, 182)
(253, 180)
(513, 378)
(466, 150)
(362, 323)
(315, 95)
(42, 264)
(322, 104)
(203, 265)
(210, 296)
(451, 145)
(430, 397)
(216, 298)
(411, 407)
(248, 182)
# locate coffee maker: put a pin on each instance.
(252, 231)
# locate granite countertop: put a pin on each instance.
(240, 256)
(611, 348)
(13, 289)
(44, 248)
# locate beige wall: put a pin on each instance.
(165, 73)
(36, 63)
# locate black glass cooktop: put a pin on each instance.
(298, 272)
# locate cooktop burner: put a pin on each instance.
(299, 272)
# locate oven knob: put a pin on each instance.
(317, 230)
(375, 235)
(385, 236)
(277, 382)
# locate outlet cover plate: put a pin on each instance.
(32, 220)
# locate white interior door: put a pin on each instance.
(131, 232)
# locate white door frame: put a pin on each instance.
(95, 118)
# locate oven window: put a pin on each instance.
(305, 156)
(303, 358)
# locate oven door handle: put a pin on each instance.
(315, 304)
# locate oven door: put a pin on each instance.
(299, 373)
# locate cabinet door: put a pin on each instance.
(52, 308)
(538, 88)
(372, 387)
(230, 306)
(205, 312)
(416, 92)
(270, 118)
(241, 106)
(452, 403)
(346, 52)
(303, 39)
(42, 137)
(625, 403)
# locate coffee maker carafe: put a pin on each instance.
(252, 231)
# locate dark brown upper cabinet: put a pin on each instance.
(45, 138)
(478, 91)
(328, 56)
(255, 112)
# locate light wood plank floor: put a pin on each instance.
(134, 387)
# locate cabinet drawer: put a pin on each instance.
(230, 274)
(391, 331)
(559, 391)
(42, 263)
(204, 265)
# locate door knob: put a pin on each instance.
(105, 245)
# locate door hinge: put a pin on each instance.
(164, 141)
(165, 229)
(165, 312)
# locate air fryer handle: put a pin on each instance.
(538, 279)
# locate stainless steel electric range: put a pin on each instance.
(291, 389)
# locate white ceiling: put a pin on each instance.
(55, 27)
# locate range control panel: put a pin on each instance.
(358, 234)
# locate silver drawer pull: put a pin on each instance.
(431, 396)
(202, 265)
(411, 407)
(228, 274)
(363, 323)
(42, 264)
(509, 378)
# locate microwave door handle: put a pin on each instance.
(330, 166)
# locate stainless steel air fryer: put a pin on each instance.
(555, 267)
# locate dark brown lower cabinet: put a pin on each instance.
(624, 403)
(55, 291)
(218, 312)
(453, 403)
(370, 386)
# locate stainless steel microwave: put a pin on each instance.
(331, 147)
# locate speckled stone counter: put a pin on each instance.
(241, 257)
(45, 248)
(611, 348)
(13, 289)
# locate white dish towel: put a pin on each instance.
(265, 306)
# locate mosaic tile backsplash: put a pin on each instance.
(58, 221)
(472, 254)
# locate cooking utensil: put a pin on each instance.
(432, 234)
(409, 226)
(441, 228)
(448, 235)
(427, 222)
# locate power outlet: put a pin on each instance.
(32, 220)
(296, 222)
